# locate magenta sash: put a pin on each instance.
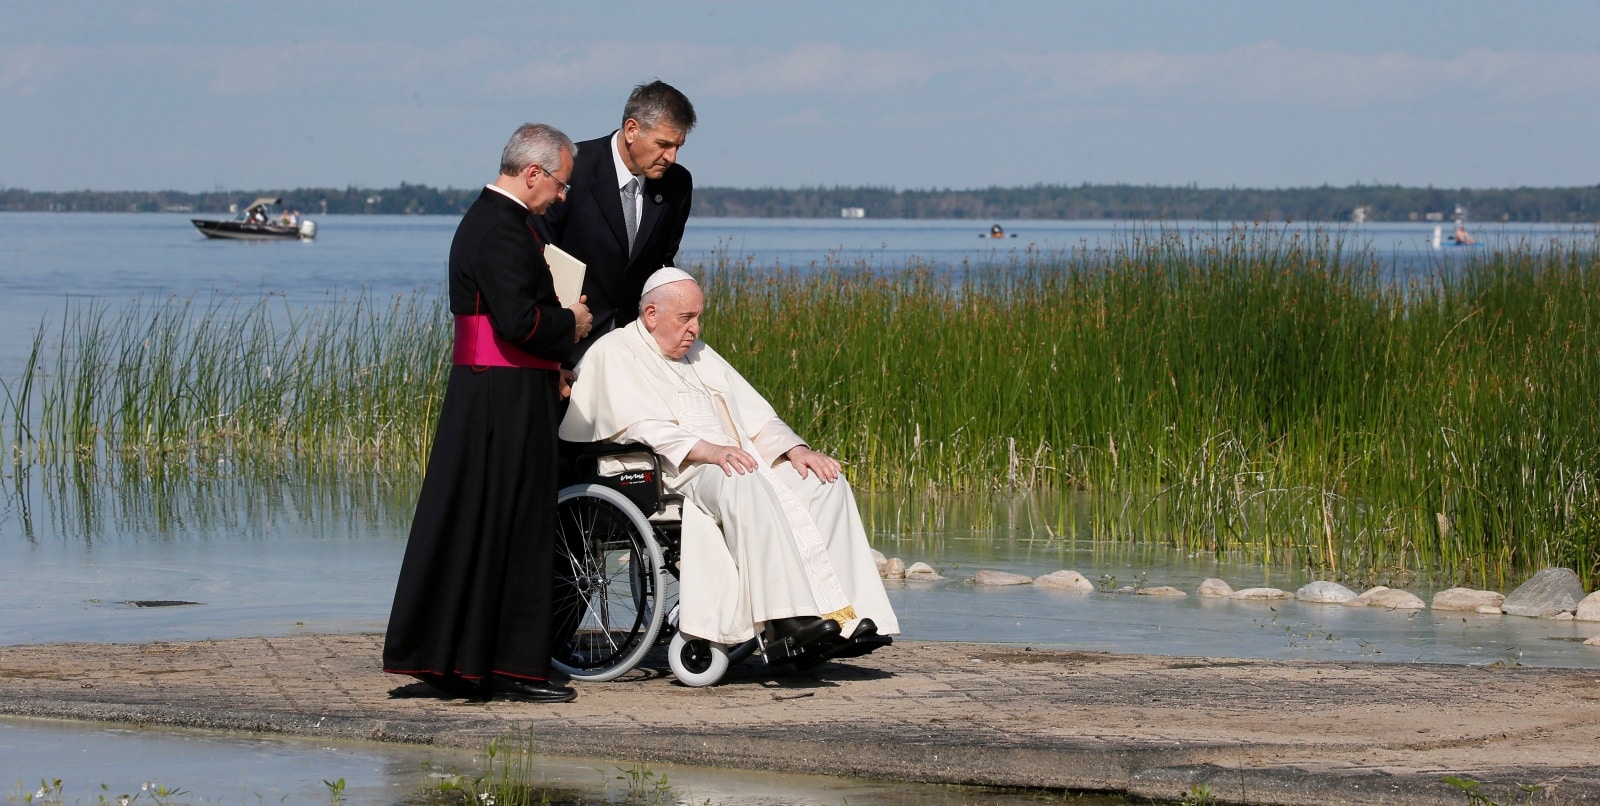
(477, 345)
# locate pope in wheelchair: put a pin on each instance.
(759, 533)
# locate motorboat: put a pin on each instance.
(263, 220)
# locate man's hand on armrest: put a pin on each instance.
(731, 460)
(803, 458)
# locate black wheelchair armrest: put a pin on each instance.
(581, 465)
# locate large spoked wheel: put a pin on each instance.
(609, 591)
(696, 661)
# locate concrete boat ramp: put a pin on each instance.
(1253, 731)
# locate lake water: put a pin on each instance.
(290, 555)
(48, 258)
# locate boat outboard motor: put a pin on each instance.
(308, 229)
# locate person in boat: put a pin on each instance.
(996, 232)
(1461, 236)
(472, 608)
(771, 533)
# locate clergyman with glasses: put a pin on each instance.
(472, 609)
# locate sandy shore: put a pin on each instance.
(1254, 731)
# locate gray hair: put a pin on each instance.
(659, 103)
(535, 143)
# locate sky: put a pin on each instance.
(211, 95)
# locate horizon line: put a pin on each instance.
(1191, 186)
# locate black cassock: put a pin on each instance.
(474, 592)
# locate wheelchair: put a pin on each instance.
(618, 536)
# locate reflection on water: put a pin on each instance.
(261, 553)
(271, 551)
(134, 502)
(213, 767)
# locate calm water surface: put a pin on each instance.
(215, 767)
(275, 556)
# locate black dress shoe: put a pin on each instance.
(856, 647)
(865, 639)
(454, 685)
(805, 630)
(792, 636)
(532, 691)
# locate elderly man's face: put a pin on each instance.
(650, 151)
(674, 321)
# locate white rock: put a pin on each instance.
(1262, 593)
(1390, 599)
(1214, 587)
(1589, 608)
(1551, 591)
(895, 568)
(1325, 592)
(987, 577)
(1467, 599)
(921, 570)
(1064, 580)
(1562, 616)
(1595, 641)
(879, 560)
(1366, 597)
(1490, 611)
(1164, 590)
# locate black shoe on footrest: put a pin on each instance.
(865, 639)
(791, 635)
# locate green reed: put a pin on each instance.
(1256, 389)
(1260, 390)
(175, 384)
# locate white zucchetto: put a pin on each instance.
(665, 276)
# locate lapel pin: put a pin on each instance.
(658, 198)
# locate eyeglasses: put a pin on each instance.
(563, 186)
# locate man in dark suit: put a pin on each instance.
(472, 609)
(592, 223)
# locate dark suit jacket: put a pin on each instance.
(497, 268)
(589, 226)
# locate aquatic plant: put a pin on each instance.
(1475, 795)
(507, 779)
(172, 384)
(1257, 390)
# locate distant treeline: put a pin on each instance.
(1061, 202)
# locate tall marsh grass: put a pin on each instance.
(1257, 389)
(1260, 390)
(173, 384)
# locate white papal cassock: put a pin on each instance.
(756, 547)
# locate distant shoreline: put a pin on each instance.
(1356, 203)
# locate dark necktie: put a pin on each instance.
(630, 213)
